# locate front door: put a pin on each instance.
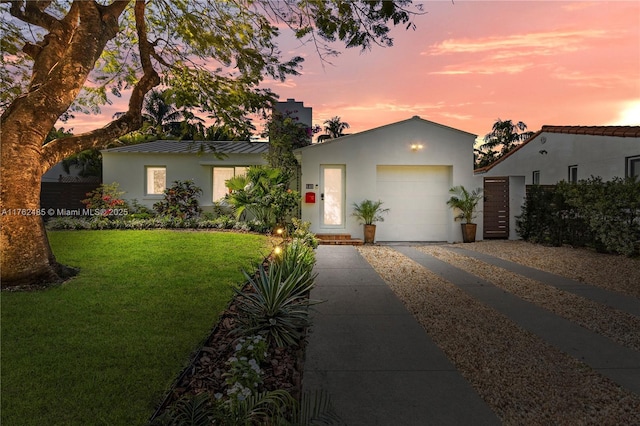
(496, 207)
(332, 196)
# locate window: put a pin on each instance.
(573, 174)
(156, 180)
(220, 176)
(536, 177)
(633, 166)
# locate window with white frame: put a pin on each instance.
(633, 166)
(156, 177)
(535, 177)
(573, 174)
(220, 176)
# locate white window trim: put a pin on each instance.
(146, 180)
(627, 165)
(571, 169)
(534, 174)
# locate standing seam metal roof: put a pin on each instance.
(194, 147)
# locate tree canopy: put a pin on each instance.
(68, 57)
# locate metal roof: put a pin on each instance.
(194, 147)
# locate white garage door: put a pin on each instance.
(417, 197)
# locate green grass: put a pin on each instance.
(103, 348)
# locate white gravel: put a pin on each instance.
(522, 378)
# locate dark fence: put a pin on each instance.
(59, 197)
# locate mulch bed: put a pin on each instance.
(282, 367)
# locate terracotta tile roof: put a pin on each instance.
(617, 131)
(620, 131)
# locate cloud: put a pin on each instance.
(394, 107)
(512, 54)
(518, 45)
(597, 81)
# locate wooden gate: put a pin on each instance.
(496, 207)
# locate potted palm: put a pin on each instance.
(466, 202)
(368, 212)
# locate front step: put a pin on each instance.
(338, 239)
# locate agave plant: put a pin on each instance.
(279, 304)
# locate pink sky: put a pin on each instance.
(471, 62)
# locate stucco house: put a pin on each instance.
(553, 154)
(146, 169)
(409, 165)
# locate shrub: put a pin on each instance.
(301, 233)
(593, 213)
(180, 200)
(105, 197)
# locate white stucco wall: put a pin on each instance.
(388, 146)
(594, 155)
(128, 169)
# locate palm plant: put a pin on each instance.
(465, 201)
(368, 212)
(333, 128)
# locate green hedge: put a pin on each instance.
(157, 222)
(591, 213)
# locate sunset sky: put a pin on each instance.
(469, 63)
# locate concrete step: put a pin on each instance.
(338, 239)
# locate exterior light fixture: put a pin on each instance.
(416, 147)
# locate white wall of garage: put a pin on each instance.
(414, 183)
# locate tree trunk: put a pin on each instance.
(26, 256)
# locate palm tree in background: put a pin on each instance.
(161, 116)
(504, 137)
(333, 128)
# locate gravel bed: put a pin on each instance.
(618, 273)
(619, 326)
(521, 377)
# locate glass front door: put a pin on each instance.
(332, 196)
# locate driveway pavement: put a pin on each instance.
(381, 367)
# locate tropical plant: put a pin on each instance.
(180, 200)
(285, 135)
(333, 128)
(369, 212)
(465, 201)
(278, 306)
(106, 196)
(264, 193)
(504, 137)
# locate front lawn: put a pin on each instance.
(104, 347)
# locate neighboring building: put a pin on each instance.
(409, 165)
(553, 154)
(145, 170)
(296, 110)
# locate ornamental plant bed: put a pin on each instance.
(206, 373)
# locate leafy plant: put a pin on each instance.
(592, 212)
(465, 201)
(244, 374)
(368, 212)
(264, 193)
(180, 200)
(104, 197)
(278, 306)
(301, 233)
